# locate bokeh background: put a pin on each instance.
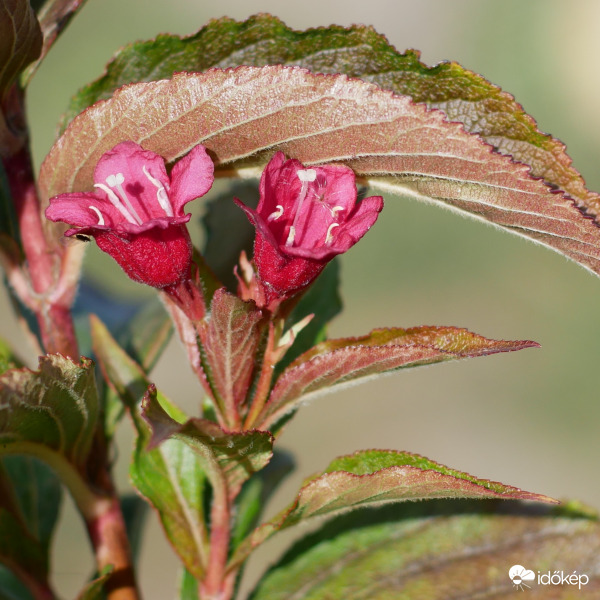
(529, 419)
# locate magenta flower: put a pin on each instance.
(136, 212)
(304, 218)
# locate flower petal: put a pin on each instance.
(142, 174)
(191, 177)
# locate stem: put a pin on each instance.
(106, 528)
(218, 585)
(44, 260)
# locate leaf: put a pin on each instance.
(53, 17)
(170, 476)
(244, 115)
(439, 551)
(337, 362)
(11, 587)
(256, 492)
(188, 586)
(357, 51)
(20, 40)
(94, 590)
(50, 411)
(22, 548)
(375, 477)
(225, 456)
(230, 341)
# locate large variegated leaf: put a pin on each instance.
(373, 477)
(243, 115)
(443, 551)
(335, 362)
(357, 51)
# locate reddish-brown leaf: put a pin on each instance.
(335, 362)
(230, 342)
(245, 114)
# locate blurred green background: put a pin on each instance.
(529, 419)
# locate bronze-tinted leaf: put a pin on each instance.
(242, 116)
(230, 340)
(335, 362)
(356, 51)
(378, 476)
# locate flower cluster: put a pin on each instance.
(304, 218)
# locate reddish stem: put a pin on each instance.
(43, 265)
(218, 585)
(106, 528)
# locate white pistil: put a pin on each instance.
(276, 214)
(329, 236)
(100, 216)
(306, 176)
(161, 193)
(114, 200)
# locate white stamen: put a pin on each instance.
(307, 174)
(336, 209)
(128, 203)
(329, 237)
(161, 193)
(100, 216)
(115, 180)
(114, 200)
(291, 236)
(275, 215)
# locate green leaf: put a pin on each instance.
(94, 590)
(134, 511)
(256, 492)
(170, 476)
(230, 457)
(244, 115)
(356, 51)
(53, 410)
(20, 40)
(188, 586)
(375, 477)
(21, 546)
(338, 362)
(437, 551)
(11, 587)
(54, 16)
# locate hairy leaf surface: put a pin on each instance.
(357, 51)
(244, 115)
(230, 341)
(375, 477)
(335, 362)
(455, 551)
(52, 409)
(231, 457)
